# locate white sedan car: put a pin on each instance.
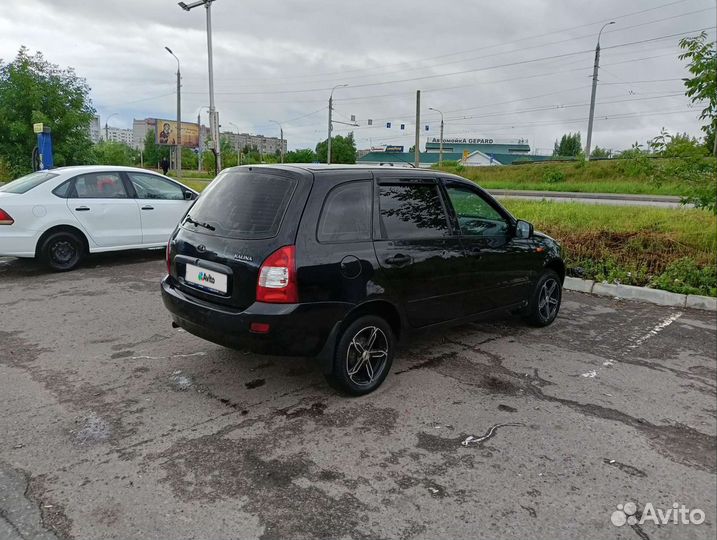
(59, 215)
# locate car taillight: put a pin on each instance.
(5, 218)
(167, 256)
(277, 278)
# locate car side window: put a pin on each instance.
(410, 211)
(149, 186)
(476, 216)
(346, 215)
(101, 185)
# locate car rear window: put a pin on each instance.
(26, 183)
(242, 205)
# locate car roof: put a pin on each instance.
(97, 168)
(323, 168)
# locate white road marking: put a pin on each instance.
(170, 356)
(659, 327)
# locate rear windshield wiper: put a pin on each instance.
(199, 224)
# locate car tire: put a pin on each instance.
(544, 303)
(358, 370)
(62, 251)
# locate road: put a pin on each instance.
(611, 199)
(115, 425)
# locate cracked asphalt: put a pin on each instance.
(115, 425)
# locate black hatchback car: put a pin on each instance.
(342, 262)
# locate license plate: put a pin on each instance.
(206, 279)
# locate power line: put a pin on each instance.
(472, 70)
(527, 38)
(282, 80)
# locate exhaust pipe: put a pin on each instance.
(174, 325)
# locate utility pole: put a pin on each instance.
(416, 150)
(213, 115)
(178, 146)
(331, 127)
(440, 151)
(596, 66)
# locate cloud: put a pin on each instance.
(502, 69)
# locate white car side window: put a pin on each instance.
(149, 186)
(104, 185)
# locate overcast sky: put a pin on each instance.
(502, 69)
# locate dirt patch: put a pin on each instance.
(434, 361)
(52, 515)
(256, 383)
(213, 468)
(312, 411)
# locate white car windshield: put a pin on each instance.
(26, 183)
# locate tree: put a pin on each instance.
(569, 146)
(33, 90)
(690, 164)
(600, 153)
(702, 87)
(343, 149)
(303, 155)
(114, 153)
(153, 152)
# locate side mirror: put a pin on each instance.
(523, 229)
(188, 195)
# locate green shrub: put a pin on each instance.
(686, 277)
(553, 176)
(5, 172)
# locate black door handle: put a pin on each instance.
(82, 209)
(148, 207)
(399, 260)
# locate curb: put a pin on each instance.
(644, 294)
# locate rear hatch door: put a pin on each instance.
(244, 215)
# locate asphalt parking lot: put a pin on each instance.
(115, 425)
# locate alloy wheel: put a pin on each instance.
(366, 356)
(549, 299)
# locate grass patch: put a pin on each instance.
(196, 185)
(607, 176)
(670, 249)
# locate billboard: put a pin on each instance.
(166, 133)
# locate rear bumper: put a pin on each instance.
(15, 242)
(294, 329)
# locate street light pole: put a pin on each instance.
(281, 140)
(213, 115)
(331, 128)
(596, 66)
(178, 147)
(107, 127)
(440, 152)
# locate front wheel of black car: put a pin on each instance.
(544, 302)
(363, 356)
